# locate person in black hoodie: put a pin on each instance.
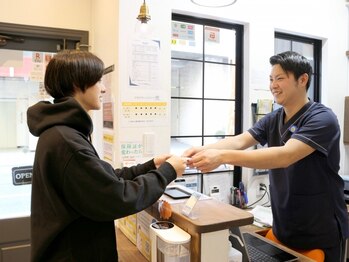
(76, 196)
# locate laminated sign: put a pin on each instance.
(22, 175)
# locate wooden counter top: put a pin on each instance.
(212, 215)
(209, 215)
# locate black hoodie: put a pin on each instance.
(76, 196)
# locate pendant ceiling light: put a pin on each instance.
(214, 3)
(143, 29)
(143, 15)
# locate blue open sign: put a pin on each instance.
(22, 175)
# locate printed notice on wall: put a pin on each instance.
(108, 117)
(212, 34)
(108, 140)
(183, 34)
(131, 153)
(143, 113)
(37, 72)
(144, 64)
(183, 31)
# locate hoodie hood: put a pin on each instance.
(65, 111)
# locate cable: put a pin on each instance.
(268, 201)
(265, 192)
(263, 187)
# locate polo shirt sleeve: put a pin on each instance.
(260, 129)
(319, 129)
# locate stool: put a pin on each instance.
(315, 254)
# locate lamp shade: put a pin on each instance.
(214, 3)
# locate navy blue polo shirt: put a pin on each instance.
(307, 198)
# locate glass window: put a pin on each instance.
(282, 45)
(219, 118)
(187, 40)
(186, 78)
(179, 144)
(220, 45)
(219, 81)
(186, 117)
(206, 78)
(21, 81)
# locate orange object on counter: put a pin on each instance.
(165, 209)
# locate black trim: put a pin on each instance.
(39, 38)
(239, 29)
(239, 95)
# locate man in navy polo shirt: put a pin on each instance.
(302, 156)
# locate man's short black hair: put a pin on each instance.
(292, 62)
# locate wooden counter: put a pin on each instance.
(209, 229)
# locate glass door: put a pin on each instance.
(21, 84)
(24, 54)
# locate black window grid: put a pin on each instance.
(238, 80)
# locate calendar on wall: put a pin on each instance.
(144, 113)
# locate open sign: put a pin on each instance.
(22, 175)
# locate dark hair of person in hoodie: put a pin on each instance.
(80, 70)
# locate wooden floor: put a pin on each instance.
(127, 251)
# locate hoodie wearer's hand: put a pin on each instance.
(158, 160)
(178, 163)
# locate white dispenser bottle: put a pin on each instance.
(169, 243)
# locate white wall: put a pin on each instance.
(51, 13)
(160, 29)
(113, 30)
(104, 43)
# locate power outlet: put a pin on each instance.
(259, 190)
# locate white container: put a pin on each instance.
(169, 243)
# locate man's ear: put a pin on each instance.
(303, 79)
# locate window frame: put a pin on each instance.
(239, 29)
(45, 39)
